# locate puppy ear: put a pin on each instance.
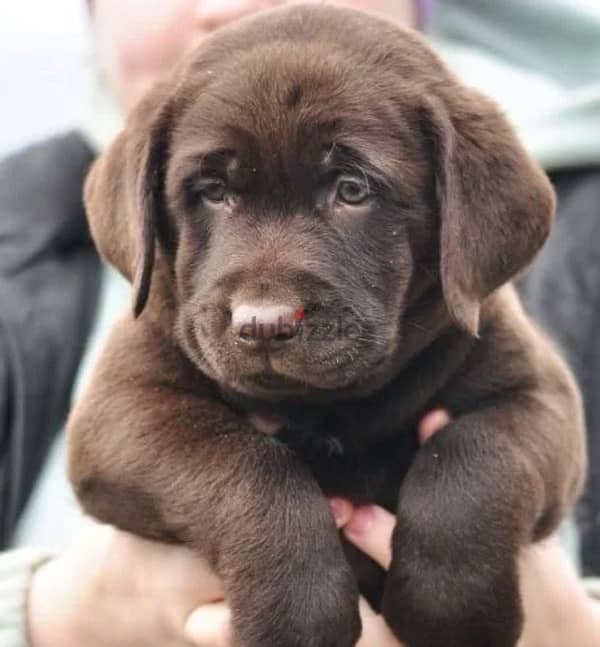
(124, 194)
(496, 205)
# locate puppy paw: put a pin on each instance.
(316, 609)
(453, 604)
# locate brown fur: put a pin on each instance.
(276, 106)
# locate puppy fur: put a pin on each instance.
(224, 187)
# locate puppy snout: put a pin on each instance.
(258, 324)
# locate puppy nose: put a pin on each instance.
(259, 323)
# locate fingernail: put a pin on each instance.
(442, 417)
(432, 423)
(341, 509)
(361, 521)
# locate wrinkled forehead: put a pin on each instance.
(284, 109)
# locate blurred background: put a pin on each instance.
(44, 50)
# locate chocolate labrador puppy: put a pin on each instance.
(320, 222)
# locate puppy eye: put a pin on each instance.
(213, 190)
(352, 190)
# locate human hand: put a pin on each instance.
(111, 589)
(558, 611)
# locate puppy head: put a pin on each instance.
(303, 176)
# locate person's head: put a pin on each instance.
(139, 41)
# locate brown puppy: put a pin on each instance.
(319, 222)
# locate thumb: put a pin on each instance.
(209, 625)
(370, 529)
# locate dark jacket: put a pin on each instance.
(49, 286)
(562, 292)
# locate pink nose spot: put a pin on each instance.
(255, 323)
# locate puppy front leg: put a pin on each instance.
(478, 491)
(154, 457)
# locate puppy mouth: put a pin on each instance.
(272, 380)
(272, 383)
